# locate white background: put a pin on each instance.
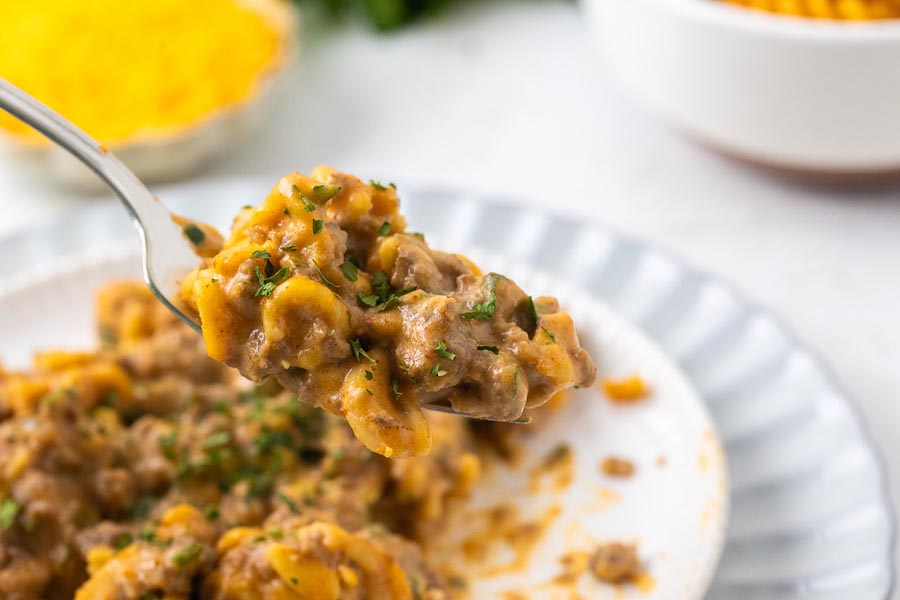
(513, 98)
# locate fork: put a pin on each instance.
(167, 255)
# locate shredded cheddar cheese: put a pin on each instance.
(841, 10)
(122, 70)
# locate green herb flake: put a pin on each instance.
(322, 277)
(317, 226)
(380, 285)
(437, 371)
(216, 440)
(350, 271)
(385, 229)
(194, 234)
(290, 248)
(369, 392)
(549, 335)
(325, 192)
(260, 254)
(187, 555)
(292, 506)
(148, 596)
(267, 284)
(357, 349)
(369, 375)
(395, 386)
(308, 205)
(123, 540)
(212, 513)
(167, 445)
(146, 534)
(377, 185)
(443, 352)
(371, 301)
(9, 510)
(270, 439)
(493, 349)
(394, 298)
(483, 310)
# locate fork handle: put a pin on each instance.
(160, 236)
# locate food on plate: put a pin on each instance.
(322, 288)
(145, 469)
(140, 69)
(614, 466)
(615, 562)
(841, 10)
(626, 391)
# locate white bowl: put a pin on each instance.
(797, 94)
(171, 153)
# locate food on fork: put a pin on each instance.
(323, 288)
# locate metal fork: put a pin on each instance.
(167, 254)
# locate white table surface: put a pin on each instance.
(513, 98)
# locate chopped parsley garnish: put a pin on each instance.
(267, 284)
(194, 234)
(394, 297)
(549, 335)
(357, 349)
(222, 407)
(483, 310)
(421, 236)
(308, 205)
(260, 254)
(371, 301)
(292, 506)
(369, 375)
(395, 386)
(443, 352)
(9, 510)
(212, 513)
(272, 438)
(385, 229)
(493, 349)
(349, 270)
(216, 440)
(167, 445)
(532, 309)
(146, 534)
(187, 555)
(377, 185)
(326, 192)
(324, 279)
(380, 284)
(289, 248)
(123, 540)
(369, 392)
(317, 226)
(437, 371)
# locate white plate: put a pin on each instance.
(810, 517)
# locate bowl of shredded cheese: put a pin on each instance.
(807, 87)
(166, 84)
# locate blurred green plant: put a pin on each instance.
(382, 14)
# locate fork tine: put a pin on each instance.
(449, 410)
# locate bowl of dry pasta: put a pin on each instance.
(805, 87)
